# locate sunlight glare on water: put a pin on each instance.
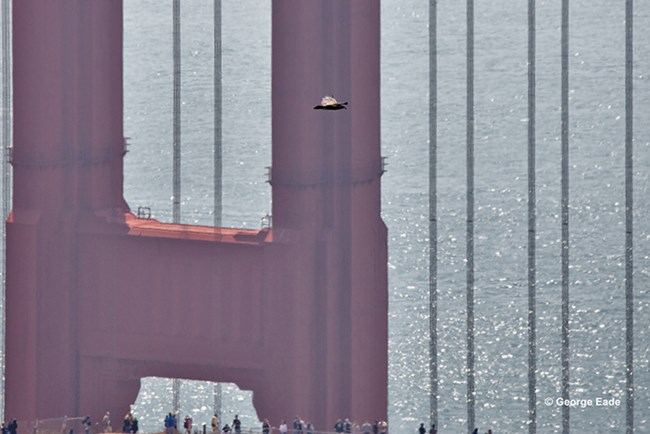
(597, 210)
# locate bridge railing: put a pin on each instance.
(276, 430)
(74, 425)
(273, 430)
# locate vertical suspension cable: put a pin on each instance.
(176, 396)
(6, 108)
(176, 218)
(218, 151)
(629, 219)
(433, 218)
(532, 327)
(470, 217)
(6, 178)
(565, 214)
(216, 395)
(176, 19)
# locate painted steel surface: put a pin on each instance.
(97, 299)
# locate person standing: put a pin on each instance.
(170, 423)
(297, 425)
(126, 425)
(266, 427)
(283, 427)
(422, 429)
(214, 422)
(187, 424)
(13, 427)
(106, 422)
(347, 426)
(236, 424)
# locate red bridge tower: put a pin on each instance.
(296, 313)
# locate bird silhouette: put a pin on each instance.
(330, 103)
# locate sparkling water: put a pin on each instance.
(597, 196)
(597, 209)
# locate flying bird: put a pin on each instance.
(330, 103)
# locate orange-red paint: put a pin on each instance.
(97, 299)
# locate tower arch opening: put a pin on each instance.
(198, 399)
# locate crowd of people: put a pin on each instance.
(342, 426)
(298, 426)
(129, 425)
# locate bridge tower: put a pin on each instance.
(297, 313)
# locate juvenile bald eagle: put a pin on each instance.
(329, 103)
